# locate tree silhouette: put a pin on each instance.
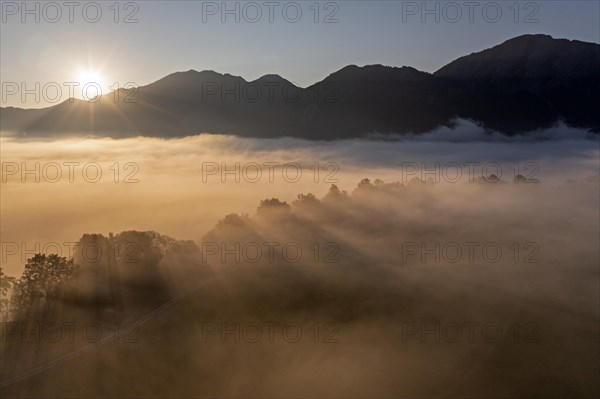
(273, 207)
(306, 200)
(335, 195)
(6, 284)
(44, 278)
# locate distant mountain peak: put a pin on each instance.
(537, 37)
(270, 76)
(531, 36)
(273, 78)
(376, 72)
(532, 58)
(184, 79)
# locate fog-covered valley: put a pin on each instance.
(226, 267)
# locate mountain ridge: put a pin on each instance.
(525, 83)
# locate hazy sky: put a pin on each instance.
(180, 35)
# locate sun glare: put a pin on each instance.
(88, 76)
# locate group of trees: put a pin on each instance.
(44, 278)
(6, 284)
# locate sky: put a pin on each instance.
(116, 43)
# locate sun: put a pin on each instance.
(87, 76)
(91, 84)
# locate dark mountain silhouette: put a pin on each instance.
(526, 83)
(561, 73)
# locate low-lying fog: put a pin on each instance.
(401, 289)
(52, 192)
